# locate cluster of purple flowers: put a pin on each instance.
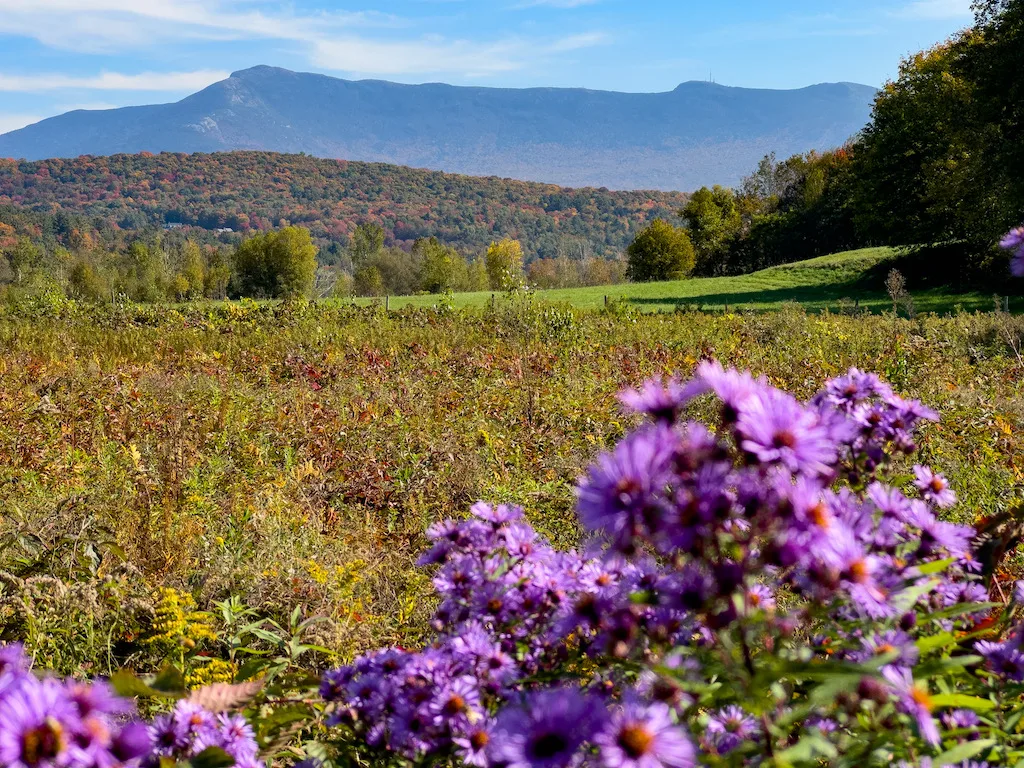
(1014, 243)
(694, 532)
(189, 729)
(50, 723)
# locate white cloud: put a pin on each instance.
(936, 10)
(435, 55)
(12, 122)
(113, 81)
(339, 41)
(105, 25)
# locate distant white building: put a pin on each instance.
(173, 225)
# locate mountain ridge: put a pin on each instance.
(698, 133)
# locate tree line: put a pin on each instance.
(939, 170)
(38, 253)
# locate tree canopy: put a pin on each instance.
(660, 252)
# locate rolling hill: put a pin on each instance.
(700, 133)
(849, 281)
(258, 191)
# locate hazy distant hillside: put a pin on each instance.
(262, 190)
(700, 133)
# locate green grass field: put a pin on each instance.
(828, 282)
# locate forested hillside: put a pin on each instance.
(247, 191)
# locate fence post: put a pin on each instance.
(493, 301)
(387, 303)
(606, 301)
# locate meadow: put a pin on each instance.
(290, 456)
(840, 282)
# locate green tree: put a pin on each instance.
(368, 281)
(660, 252)
(713, 218)
(504, 262)
(193, 269)
(367, 241)
(276, 264)
(442, 269)
(477, 278)
(23, 258)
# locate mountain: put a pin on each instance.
(699, 133)
(256, 191)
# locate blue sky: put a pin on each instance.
(57, 55)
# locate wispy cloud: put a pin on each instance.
(113, 81)
(436, 56)
(366, 43)
(936, 10)
(105, 25)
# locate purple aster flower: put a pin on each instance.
(1018, 593)
(845, 392)
(547, 731)
(499, 515)
(821, 724)
(236, 736)
(37, 726)
(937, 534)
(639, 736)
(934, 487)
(960, 719)
(660, 400)
(471, 745)
(167, 735)
(97, 697)
(728, 728)
(894, 643)
(732, 387)
(1005, 658)
(623, 496)
(132, 742)
(1014, 243)
(914, 699)
(13, 666)
(458, 700)
(776, 429)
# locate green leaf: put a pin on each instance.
(964, 751)
(962, 701)
(131, 686)
(809, 748)
(169, 681)
(251, 669)
(930, 643)
(212, 757)
(937, 566)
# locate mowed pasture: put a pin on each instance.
(293, 455)
(839, 282)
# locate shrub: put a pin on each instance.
(660, 252)
(277, 264)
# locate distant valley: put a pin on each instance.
(698, 134)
